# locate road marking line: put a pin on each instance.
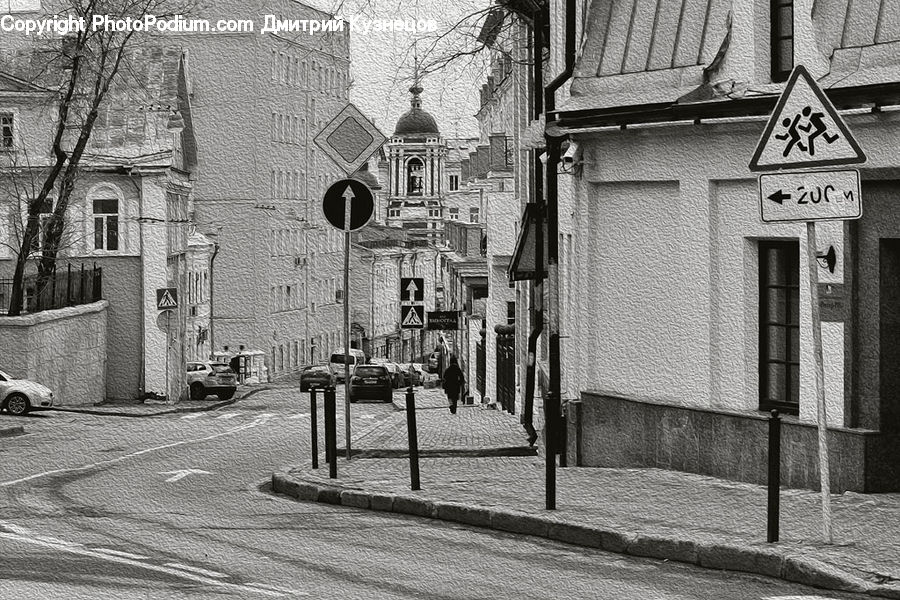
(192, 416)
(197, 570)
(120, 553)
(227, 416)
(256, 422)
(81, 551)
(264, 586)
(299, 416)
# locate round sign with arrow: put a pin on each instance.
(362, 204)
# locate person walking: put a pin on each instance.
(454, 383)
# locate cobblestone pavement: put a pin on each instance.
(652, 512)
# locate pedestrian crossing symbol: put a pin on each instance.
(166, 298)
(412, 316)
(805, 130)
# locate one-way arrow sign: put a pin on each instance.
(412, 289)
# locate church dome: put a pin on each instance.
(416, 121)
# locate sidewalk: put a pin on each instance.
(468, 475)
(155, 408)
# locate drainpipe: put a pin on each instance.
(536, 293)
(553, 399)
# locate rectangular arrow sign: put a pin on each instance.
(810, 196)
(412, 289)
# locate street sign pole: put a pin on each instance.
(820, 380)
(348, 200)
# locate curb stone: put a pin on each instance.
(761, 561)
(656, 546)
(176, 409)
(737, 558)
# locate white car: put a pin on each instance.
(18, 396)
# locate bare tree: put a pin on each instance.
(80, 68)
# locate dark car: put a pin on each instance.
(371, 381)
(318, 376)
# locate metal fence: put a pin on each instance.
(68, 287)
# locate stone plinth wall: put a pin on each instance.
(64, 349)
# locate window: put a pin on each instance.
(394, 213)
(473, 215)
(46, 212)
(782, 44)
(779, 326)
(454, 183)
(434, 212)
(6, 133)
(415, 177)
(453, 214)
(106, 224)
(510, 313)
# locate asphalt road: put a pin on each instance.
(177, 507)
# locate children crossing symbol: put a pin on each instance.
(805, 130)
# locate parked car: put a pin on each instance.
(338, 360)
(211, 378)
(18, 396)
(371, 381)
(392, 367)
(413, 374)
(318, 376)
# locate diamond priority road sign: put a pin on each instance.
(350, 139)
(810, 196)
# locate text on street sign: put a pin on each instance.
(810, 196)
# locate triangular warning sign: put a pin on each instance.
(805, 130)
(412, 318)
(166, 301)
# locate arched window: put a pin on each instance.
(415, 177)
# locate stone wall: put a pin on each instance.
(63, 349)
(607, 431)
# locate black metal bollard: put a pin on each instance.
(314, 428)
(413, 439)
(551, 412)
(774, 476)
(331, 431)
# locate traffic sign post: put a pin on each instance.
(412, 289)
(350, 139)
(806, 131)
(412, 316)
(348, 205)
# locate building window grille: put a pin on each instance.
(779, 326)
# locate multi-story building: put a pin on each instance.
(129, 215)
(260, 99)
(700, 313)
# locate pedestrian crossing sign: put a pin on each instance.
(412, 316)
(805, 130)
(166, 298)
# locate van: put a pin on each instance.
(337, 361)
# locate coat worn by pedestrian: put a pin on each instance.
(454, 384)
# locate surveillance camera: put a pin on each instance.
(571, 154)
